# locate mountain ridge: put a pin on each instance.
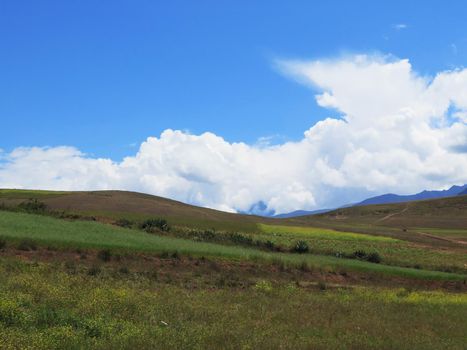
(387, 198)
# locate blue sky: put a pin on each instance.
(104, 75)
(225, 104)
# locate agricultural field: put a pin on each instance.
(76, 277)
(393, 251)
(18, 228)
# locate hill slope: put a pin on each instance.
(131, 205)
(450, 212)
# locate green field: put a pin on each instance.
(55, 232)
(322, 233)
(219, 280)
(393, 251)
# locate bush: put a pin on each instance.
(104, 255)
(359, 254)
(374, 258)
(300, 247)
(152, 225)
(27, 245)
(2, 243)
(124, 223)
(240, 239)
(33, 206)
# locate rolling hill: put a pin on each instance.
(112, 205)
(449, 212)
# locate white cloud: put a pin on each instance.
(400, 26)
(397, 132)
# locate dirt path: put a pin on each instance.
(442, 238)
(393, 214)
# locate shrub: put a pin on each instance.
(300, 247)
(240, 239)
(33, 206)
(124, 223)
(359, 254)
(104, 255)
(27, 245)
(208, 235)
(152, 225)
(374, 258)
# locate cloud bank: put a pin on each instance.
(393, 130)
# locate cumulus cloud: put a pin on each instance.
(394, 130)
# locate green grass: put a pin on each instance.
(42, 306)
(25, 194)
(395, 252)
(50, 231)
(322, 233)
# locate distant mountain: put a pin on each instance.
(395, 198)
(384, 199)
(301, 213)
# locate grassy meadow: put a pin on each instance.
(79, 282)
(48, 306)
